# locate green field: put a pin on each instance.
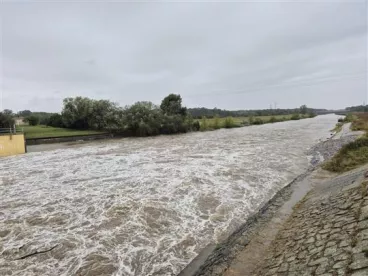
(41, 131)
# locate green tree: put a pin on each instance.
(143, 119)
(55, 120)
(6, 119)
(77, 112)
(303, 109)
(33, 120)
(103, 115)
(171, 105)
(24, 113)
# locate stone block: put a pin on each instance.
(359, 261)
(360, 272)
(364, 213)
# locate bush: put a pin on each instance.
(295, 117)
(216, 122)
(6, 119)
(258, 121)
(245, 123)
(273, 120)
(196, 126)
(55, 120)
(349, 118)
(204, 123)
(33, 120)
(229, 122)
(341, 120)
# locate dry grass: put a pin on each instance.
(355, 153)
(360, 122)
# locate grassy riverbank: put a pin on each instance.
(233, 122)
(355, 153)
(41, 131)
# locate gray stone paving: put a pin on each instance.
(327, 234)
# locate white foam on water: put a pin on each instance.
(143, 206)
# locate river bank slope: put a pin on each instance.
(243, 252)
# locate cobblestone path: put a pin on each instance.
(327, 234)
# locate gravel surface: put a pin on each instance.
(327, 149)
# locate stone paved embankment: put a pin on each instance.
(327, 234)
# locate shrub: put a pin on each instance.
(6, 119)
(349, 118)
(258, 121)
(196, 126)
(33, 120)
(273, 119)
(55, 120)
(245, 123)
(229, 122)
(204, 123)
(295, 117)
(216, 122)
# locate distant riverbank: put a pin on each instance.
(41, 134)
(216, 122)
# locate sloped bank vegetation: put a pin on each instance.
(355, 153)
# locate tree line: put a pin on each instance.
(359, 108)
(140, 119)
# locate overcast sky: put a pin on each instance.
(226, 55)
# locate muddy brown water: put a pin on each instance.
(143, 206)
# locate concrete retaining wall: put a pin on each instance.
(50, 140)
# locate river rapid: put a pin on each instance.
(143, 206)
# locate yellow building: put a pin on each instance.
(12, 144)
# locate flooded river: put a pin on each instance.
(143, 206)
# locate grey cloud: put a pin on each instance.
(228, 55)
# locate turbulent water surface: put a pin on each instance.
(142, 206)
